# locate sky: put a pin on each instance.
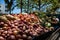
(1, 1)
(14, 11)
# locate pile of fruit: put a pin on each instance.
(20, 27)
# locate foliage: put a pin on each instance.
(30, 5)
(9, 4)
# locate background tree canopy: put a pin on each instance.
(49, 6)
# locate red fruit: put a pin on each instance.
(1, 38)
(24, 36)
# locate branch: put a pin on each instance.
(44, 4)
(6, 1)
(15, 6)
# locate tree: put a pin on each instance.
(29, 5)
(10, 5)
(39, 4)
(20, 4)
(55, 4)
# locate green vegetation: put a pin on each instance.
(30, 5)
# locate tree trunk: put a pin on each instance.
(10, 11)
(28, 6)
(21, 6)
(39, 4)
